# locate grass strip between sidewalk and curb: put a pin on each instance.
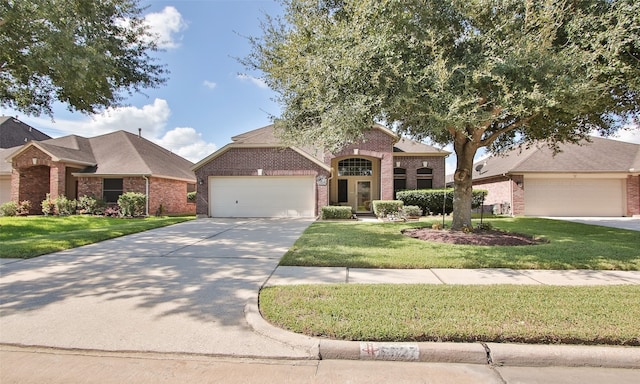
(26, 237)
(608, 315)
(382, 245)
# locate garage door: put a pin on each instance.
(262, 196)
(5, 189)
(573, 197)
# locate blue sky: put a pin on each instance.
(209, 96)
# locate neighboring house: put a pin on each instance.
(13, 133)
(257, 176)
(103, 167)
(600, 178)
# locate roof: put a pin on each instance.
(266, 137)
(598, 156)
(116, 153)
(14, 132)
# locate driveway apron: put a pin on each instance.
(178, 289)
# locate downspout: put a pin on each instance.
(146, 208)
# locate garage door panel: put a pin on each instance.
(262, 196)
(574, 197)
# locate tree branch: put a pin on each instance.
(486, 142)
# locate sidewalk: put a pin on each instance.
(496, 354)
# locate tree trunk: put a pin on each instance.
(465, 151)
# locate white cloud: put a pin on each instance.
(259, 82)
(188, 143)
(165, 25)
(209, 84)
(630, 133)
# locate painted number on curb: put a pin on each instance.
(389, 351)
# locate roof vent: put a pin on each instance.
(139, 132)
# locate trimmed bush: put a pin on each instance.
(335, 212)
(10, 208)
(411, 211)
(191, 197)
(88, 205)
(48, 206)
(65, 206)
(383, 208)
(132, 204)
(430, 200)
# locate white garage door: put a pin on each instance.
(573, 197)
(262, 196)
(5, 189)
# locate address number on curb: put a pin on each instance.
(389, 351)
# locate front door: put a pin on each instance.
(363, 196)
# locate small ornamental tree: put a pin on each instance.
(475, 74)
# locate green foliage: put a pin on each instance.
(132, 204)
(65, 206)
(191, 197)
(431, 200)
(384, 208)
(90, 205)
(469, 73)
(335, 212)
(48, 206)
(411, 211)
(10, 208)
(85, 54)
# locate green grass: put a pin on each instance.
(25, 237)
(502, 313)
(381, 245)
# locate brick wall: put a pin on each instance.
(498, 190)
(247, 161)
(412, 163)
(172, 194)
(518, 194)
(633, 195)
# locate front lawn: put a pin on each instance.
(381, 245)
(25, 237)
(501, 313)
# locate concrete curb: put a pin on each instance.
(446, 352)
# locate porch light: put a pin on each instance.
(34, 160)
(425, 164)
(259, 171)
(397, 164)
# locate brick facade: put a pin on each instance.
(247, 161)
(35, 175)
(498, 192)
(633, 195)
(412, 163)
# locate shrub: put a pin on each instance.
(336, 212)
(430, 200)
(112, 211)
(24, 207)
(384, 208)
(411, 211)
(88, 204)
(48, 206)
(9, 208)
(132, 204)
(65, 206)
(191, 197)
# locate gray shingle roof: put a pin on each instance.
(118, 153)
(14, 132)
(600, 155)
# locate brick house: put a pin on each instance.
(257, 176)
(103, 167)
(598, 178)
(13, 134)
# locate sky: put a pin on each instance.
(209, 96)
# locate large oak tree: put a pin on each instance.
(82, 53)
(472, 73)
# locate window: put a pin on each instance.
(111, 190)
(355, 167)
(424, 178)
(399, 180)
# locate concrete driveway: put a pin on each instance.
(178, 289)
(631, 223)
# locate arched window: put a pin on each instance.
(424, 178)
(355, 167)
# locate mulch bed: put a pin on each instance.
(477, 237)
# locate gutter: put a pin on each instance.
(146, 208)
